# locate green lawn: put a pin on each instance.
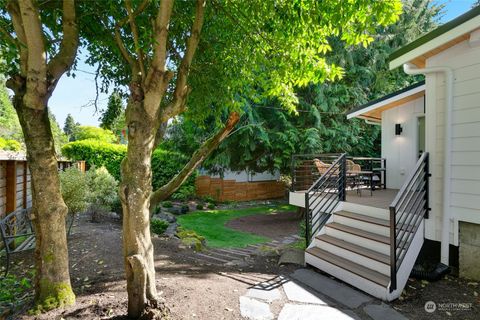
(211, 225)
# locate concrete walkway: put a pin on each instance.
(308, 295)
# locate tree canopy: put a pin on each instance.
(268, 135)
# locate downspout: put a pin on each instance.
(447, 169)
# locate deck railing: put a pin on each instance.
(407, 211)
(305, 173)
(323, 196)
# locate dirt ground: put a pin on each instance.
(192, 290)
(195, 290)
(277, 226)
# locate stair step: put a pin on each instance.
(350, 266)
(364, 218)
(359, 232)
(355, 248)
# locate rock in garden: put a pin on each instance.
(166, 216)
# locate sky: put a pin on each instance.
(75, 96)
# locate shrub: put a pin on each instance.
(209, 199)
(191, 239)
(199, 206)
(211, 206)
(158, 226)
(185, 208)
(10, 145)
(93, 133)
(97, 153)
(74, 187)
(184, 193)
(167, 204)
(102, 190)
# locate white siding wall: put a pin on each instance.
(465, 182)
(401, 151)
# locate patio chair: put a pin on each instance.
(322, 167)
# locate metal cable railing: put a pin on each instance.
(407, 211)
(323, 195)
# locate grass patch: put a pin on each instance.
(211, 225)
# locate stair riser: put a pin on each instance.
(348, 277)
(367, 226)
(364, 242)
(366, 210)
(354, 257)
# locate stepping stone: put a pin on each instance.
(297, 293)
(267, 295)
(383, 311)
(331, 288)
(255, 310)
(313, 312)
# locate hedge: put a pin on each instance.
(165, 164)
(97, 153)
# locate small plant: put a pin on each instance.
(184, 193)
(13, 291)
(157, 210)
(199, 206)
(211, 206)
(191, 239)
(74, 189)
(185, 208)
(102, 191)
(158, 226)
(167, 204)
(209, 199)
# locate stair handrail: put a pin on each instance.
(407, 211)
(334, 178)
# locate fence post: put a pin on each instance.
(11, 185)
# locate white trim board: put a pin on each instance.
(448, 36)
(385, 102)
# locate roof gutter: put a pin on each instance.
(447, 168)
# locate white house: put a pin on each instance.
(430, 169)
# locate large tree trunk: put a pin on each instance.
(52, 279)
(135, 190)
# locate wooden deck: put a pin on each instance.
(380, 198)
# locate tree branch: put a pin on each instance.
(121, 46)
(197, 158)
(36, 64)
(181, 89)
(65, 57)
(14, 12)
(157, 79)
(161, 35)
(133, 26)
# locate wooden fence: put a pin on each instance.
(231, 190)
(15, 184)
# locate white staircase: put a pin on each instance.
(354, 246)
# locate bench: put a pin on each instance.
(17, 234)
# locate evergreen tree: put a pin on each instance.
(114, 111)
(70, 126)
